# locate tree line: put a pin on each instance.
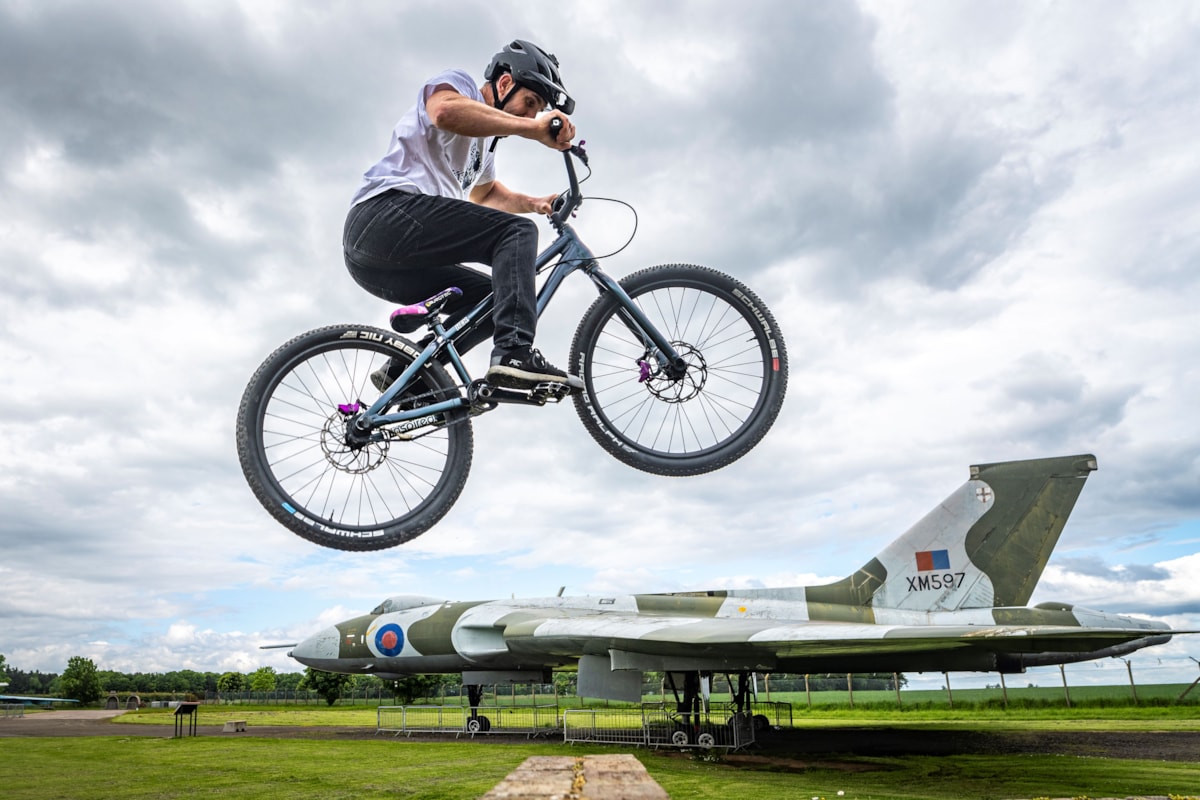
(84, 682)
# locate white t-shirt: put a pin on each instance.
(425, 159)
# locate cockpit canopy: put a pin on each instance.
(402, 602)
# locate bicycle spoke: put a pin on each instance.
(654, 407)
(303, 441)
(691, 425)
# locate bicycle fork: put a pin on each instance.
(575, 255)
(657, 346)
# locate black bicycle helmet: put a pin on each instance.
(533, 68)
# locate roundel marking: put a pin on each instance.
(389, 639)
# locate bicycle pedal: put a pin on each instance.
(500, 394)
(552, 392)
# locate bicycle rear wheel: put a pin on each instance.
(709, 416)
(292, 441)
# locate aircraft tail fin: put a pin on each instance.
(984, 546)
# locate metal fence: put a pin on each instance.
(648, 725)
(657, 725)
(520, 720)
(12, 710)
(778, 715)
(605, 726)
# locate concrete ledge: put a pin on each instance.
(607, 777)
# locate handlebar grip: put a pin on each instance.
(556, 126)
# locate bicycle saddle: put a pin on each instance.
(407, 319)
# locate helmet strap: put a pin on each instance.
(496, 101)
(500, 104)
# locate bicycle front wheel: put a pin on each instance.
(680, 423)
(321, 483)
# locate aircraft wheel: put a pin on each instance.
(679, 738)
(761, 723)
(479, 724)
(706, 740)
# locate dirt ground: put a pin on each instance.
(776, 746)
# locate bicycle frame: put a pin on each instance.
(573, 255)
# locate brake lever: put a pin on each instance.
(556, 126)
(579, 152)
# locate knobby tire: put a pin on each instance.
(713, 415)
(293, 450)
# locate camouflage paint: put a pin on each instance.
(1013, 541)
(691, 604)
(431, 636)
(848, 600)
(352, 637)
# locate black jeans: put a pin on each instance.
(404, 247)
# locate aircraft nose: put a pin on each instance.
(318, 650)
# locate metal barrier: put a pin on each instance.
(521, 720)
(420, 719)
(656, 725)
(12, 710)
(766, 715)
(649, 725)
(605, 726)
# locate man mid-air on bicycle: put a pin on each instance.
(433, 200)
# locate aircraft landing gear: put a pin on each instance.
(689, 707)
(476, 722)
(692, 724)
(742, 700)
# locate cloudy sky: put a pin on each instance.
(977, 223)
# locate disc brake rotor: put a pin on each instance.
(344, 457)
(685, 388)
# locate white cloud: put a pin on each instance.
(977, 229)
(1171, 588)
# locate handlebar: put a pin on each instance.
(571, 199)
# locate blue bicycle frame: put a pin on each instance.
(573, 255)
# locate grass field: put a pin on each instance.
(1018, 697)
(1026, 696)
(117, 767)
(1027, 708)
(121, 766)
(1082, 718)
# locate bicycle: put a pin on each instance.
(684, 372)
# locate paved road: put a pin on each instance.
(74, 722)
(88, 722)
(71, 714)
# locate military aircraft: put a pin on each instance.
(948, 595)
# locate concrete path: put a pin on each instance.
(607, 777)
